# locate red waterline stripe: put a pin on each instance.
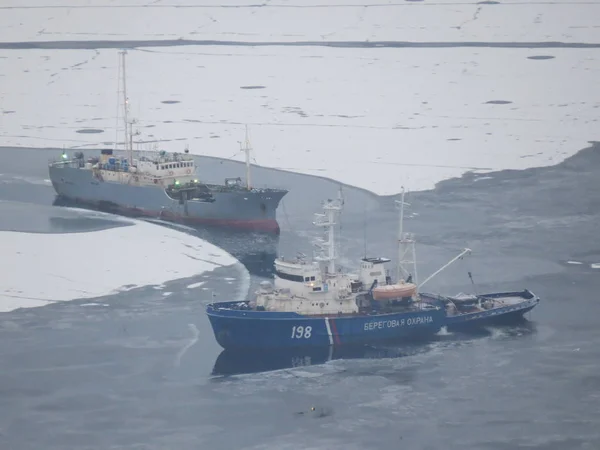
(268, 225)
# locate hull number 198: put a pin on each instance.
(301, 332)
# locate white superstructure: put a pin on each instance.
(312, 287)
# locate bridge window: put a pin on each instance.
(287, 276)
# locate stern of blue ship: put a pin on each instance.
(498, 308)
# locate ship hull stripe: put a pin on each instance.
(266, 225)
(336, 336)
(328, 330)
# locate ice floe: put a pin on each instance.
(289, 21)
(377, 118)
(41, 268)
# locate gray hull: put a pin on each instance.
(235, 207)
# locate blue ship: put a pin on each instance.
(239, 326)
(311, 303)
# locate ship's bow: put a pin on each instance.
(254, 210)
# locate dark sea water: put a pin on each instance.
(142, 371)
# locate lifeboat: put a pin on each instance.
(392, 291)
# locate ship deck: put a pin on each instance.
(493, 306)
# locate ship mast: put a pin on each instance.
(247, 149)
(128, 143)
(326, 220)
(406, 247)
(407, 254)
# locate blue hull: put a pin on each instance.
(236, 328)
(506, 314)
(500, 315)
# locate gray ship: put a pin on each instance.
(163, 185)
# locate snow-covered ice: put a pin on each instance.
(40, 268)
(300, 20)
(377, 118)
